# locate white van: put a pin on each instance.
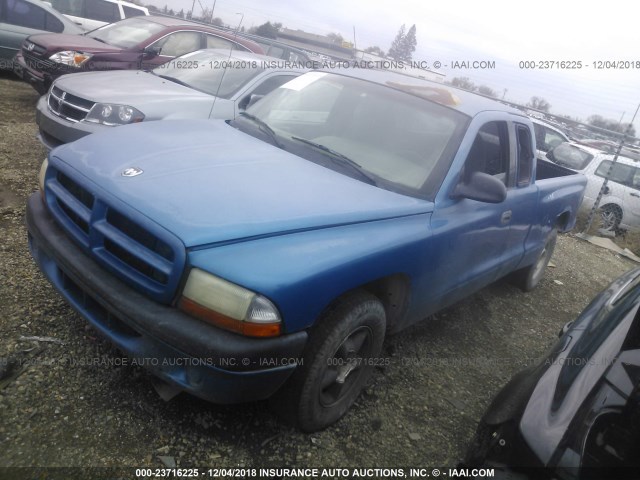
(620, 203)
(91, 14)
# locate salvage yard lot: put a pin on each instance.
(78, 403)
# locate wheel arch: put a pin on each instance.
(563, 221)
(393, 291)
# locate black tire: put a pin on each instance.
(336, 364)
(610, 217)
(528, 278)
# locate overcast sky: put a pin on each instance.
(505, 32)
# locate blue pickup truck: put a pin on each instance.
(269, 256)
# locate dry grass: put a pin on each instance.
(623, 238)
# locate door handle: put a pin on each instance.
(506, 217)
(634, 195)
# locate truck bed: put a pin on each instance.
(545, 170)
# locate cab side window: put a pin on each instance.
(526, 157)
(490, 152)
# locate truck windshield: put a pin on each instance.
(400, 141)
(126, 33)
(199, 70)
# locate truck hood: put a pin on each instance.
(154, 96)
(207, 182)
(57, 42)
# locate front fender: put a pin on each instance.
(303, 272)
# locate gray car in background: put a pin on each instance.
(21, 18)
(209, 83)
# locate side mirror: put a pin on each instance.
(483, 188)
(151, 52)
(550, 156)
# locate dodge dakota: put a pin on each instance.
(268, 256)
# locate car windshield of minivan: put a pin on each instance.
(402, 142)
(126, 33)
(570, 156)
(200, 70)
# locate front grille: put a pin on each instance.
(94, 309)
(68, 106)
(129, 245)
(29, 46)
(38, 63)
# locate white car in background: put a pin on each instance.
(92, 14)
(620, 202)
(192, 86)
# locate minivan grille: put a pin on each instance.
(33, 55)
(68, 106)
(129, 245)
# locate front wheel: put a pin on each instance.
(337, 363)
(529, 277)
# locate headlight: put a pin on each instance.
(112, 114)
(71, 58)
(41, 175)
(229, 306)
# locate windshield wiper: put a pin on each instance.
(264, 127)
(175, 80)
(341, 158)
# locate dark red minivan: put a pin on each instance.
(130, 44)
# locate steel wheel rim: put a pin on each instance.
(345, 366)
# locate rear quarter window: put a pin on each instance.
(53, 24)
(620, 173)
(69, 7)
(219, 42)
(26, 15)
(132, 12)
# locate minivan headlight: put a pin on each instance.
(112, 114)
(71, 58)
(229, 306)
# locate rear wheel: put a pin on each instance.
(337, 363)
(528, 278)
(610, 217)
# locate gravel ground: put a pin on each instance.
(73, 405)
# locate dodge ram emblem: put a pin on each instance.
(131, 172)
